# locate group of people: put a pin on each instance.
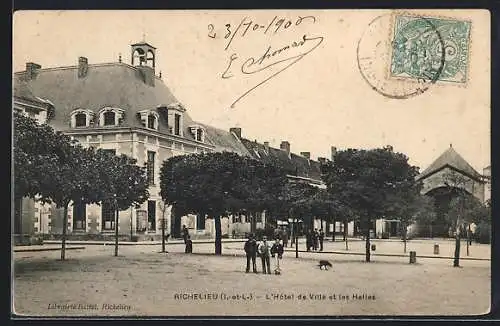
(314, 240)
(266, 251)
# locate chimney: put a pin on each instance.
(334, 152)
(322, 160)
(236, 131)
(285, 146)
(306, 155)
(83, 66)
(266, 146)
(31, 70)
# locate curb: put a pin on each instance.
(142, 243)
(46, 249)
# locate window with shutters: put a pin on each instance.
(151, 167)
(107, 215)
(79, 215)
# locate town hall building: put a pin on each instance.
(125, 109)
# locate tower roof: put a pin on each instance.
(450, 158)
(142, 43)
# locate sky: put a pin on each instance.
(319, 101)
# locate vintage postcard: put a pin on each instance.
(251, 163)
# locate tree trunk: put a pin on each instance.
(456, 260)
(163, 229)
(468, 239)
(64, 230)
(296, 239)
(131, 228)
(254, 222)
(116, 231)
(404, 236)
(334, 225)
(367, 242)
(346, 225)
(218, 236)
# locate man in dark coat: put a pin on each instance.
(321, 237)
(251, 252)
(315, 237)
(189, 245)
(185, 233)
(265, 254)
(309, 240)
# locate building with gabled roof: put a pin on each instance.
(435, 177)
(124, 108)
(444, 179)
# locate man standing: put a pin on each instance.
(321, 238)
(277, 251)
(251, 252)
(265, 254)
(315, 236)
(309, 240)
(185, 233)
(285, 237)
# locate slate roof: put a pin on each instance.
(115, 85)
(294, 164)
(450, 158)
(224, 140)
(22, 90)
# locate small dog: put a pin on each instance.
(325, 264)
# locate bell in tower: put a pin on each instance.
(143, 58)
(143, 54)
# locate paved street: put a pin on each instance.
(142, 281)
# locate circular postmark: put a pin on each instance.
(401, 56)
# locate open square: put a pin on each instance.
(143, 282)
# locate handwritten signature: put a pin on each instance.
(288, 55)
(271, 58)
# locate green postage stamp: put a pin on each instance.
(418, 44)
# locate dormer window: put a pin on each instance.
(199, 135)
(149, 119)
(110, 116)
(175, 118)
(81, 118)
(198, 132)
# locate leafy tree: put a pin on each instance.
(72, 179)
(370, 181)
(121, 182)
(456, 185)
(258, 188)
(37, 150)
(217, 183)
(51, 168)
(425, 211)
(346, 214)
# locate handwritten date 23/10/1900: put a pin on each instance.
(287, 54)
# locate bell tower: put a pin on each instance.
(143, 54)
(143, 58)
